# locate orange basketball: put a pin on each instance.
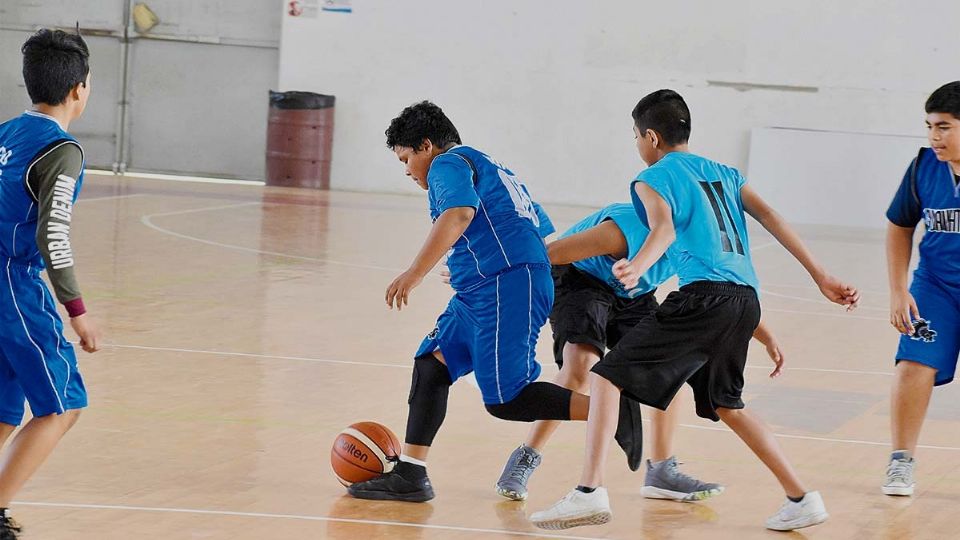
(363, 451)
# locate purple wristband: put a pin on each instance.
(75, 307)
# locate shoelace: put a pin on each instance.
(674, 471)
(524, 467)
(899, 470)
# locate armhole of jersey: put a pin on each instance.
(469, 162)
(913, 177)
(42, 154)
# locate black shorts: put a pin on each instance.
(586, 310)
(700, 336)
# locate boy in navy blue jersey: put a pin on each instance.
(694, 209)
(41, 171)
(928, 314)
(491, 232)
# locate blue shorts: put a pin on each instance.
(939, 344)
(37, 363)
(492, 330)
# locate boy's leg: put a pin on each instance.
(923, 361)
(578, 358)
(29, 449)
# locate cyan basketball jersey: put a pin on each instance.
(704, 198)
(505, 231)
(930, 191)
(24, 140)
(601, 267)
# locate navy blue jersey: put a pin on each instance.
(506, 230)
(635, 232)
(711, 230)
(23, 141)
(930, 191)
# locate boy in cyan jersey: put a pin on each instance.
(694, 208)
(928, 314)
(484, 219)
(592, 310)
(41, 171)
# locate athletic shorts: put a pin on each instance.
(937, 343)
(37, 364)
(587, 311)
(492, 330)
(699, 335)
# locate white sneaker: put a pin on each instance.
(899, 478)
(796, 515)
(575, 509)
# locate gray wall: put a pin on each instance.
(196, 93)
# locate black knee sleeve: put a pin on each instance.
(429, 389)
(537, 401)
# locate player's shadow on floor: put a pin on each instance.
(349, 508)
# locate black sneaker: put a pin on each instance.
(9, 528)
(630, 432)
(397, 485)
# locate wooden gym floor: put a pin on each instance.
(246, 326)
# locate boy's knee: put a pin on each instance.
(915, 370)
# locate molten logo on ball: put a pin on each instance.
(352, 449)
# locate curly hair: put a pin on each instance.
(421, 121)
(54, 62)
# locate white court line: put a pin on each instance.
(407, 367)
(763, 246)
(148, 221)
(820, 301)
(111, 197)
(821, 439)
(815, 314)
(301, 518)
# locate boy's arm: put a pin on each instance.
(765, 336)
(446, 230)
(52, 182)
(603, 239)
(902, 303)
(831, 287)
(662, 234)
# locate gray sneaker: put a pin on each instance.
(513, 482)
(899, 478)
(665, 481)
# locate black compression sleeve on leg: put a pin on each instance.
(429, 389)
(537, 401)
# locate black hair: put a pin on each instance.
(54, 62)
(945, 99)
(421, 121)
(665, 112)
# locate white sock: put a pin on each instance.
(412, 461)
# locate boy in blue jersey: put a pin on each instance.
(694, 208)
(928, 313)
(41, 171)
(491, 231)
(592, 311)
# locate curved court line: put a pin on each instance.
(813, 300)
(199, 511)
(691, 426)
(111, 197)
(148, 221)
(815, 314)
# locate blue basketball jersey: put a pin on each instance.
(711, 231)
(506, 230)
(930, 191)
(601, 267)
(24, 140)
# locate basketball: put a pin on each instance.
(363, 451)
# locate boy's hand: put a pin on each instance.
(839, 292)
(902, 307)
(626, 273)
(88, 332)
(399, 289)
(776, 354)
